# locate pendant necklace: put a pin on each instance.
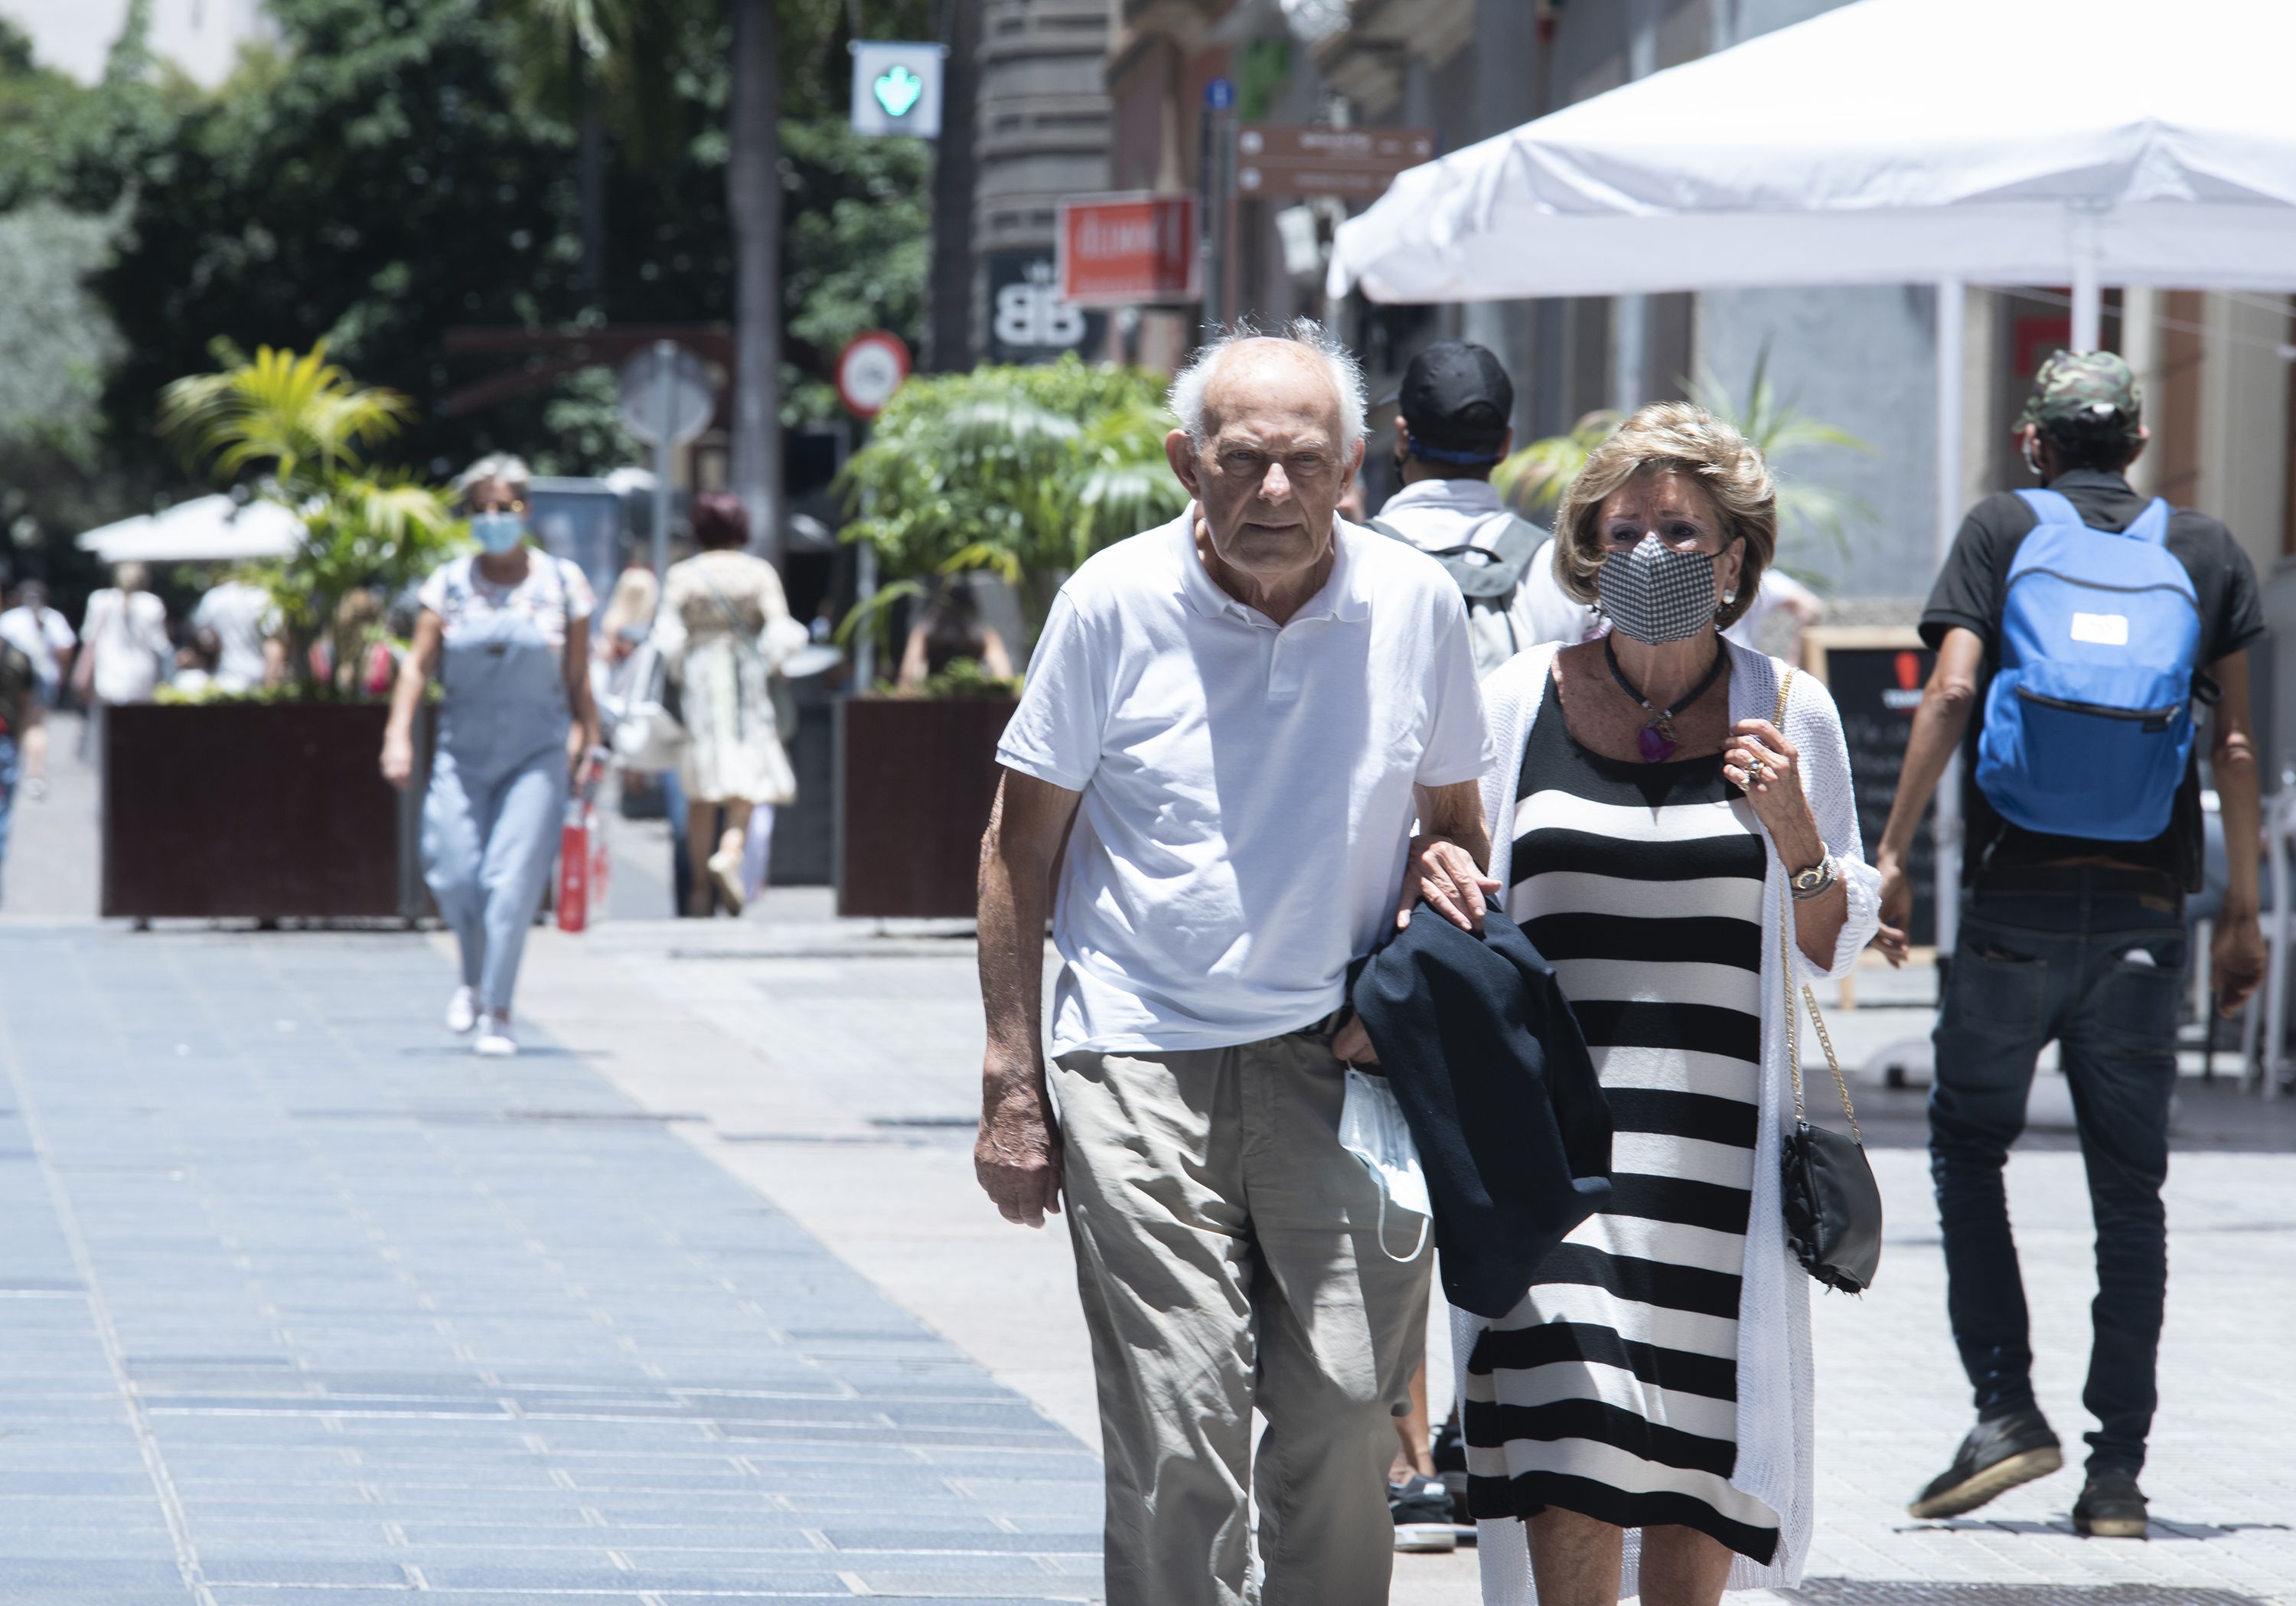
(1657, 740)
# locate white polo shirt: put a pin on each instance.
(1246, 789)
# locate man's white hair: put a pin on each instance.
(1189, 384)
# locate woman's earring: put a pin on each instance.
(1728, 597)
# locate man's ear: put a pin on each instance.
(1180, 452)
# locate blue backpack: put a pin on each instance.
(2088, 725)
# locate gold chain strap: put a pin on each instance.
(1786, 967)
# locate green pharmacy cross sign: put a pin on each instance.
(897, 87)
(896, 90)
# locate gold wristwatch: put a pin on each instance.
(1813, 882)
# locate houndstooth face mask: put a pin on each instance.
(1654, 593)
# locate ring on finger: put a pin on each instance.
(1753, 771)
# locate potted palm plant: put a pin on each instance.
(269, 804)
(1021, 473)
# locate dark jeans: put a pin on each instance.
(2031, 966)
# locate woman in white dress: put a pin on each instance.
(724, 629)
(1641, 1422)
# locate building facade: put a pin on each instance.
(2221, 399)
(1040, 131)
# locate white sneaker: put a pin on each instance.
(725, 870)
(494, 1040)
(463, 1010)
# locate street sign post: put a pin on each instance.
(897, 87)
(1128, 250)
(666, 400)
(869, 370)
(1355, 163)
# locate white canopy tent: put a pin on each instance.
(205, 530)
(2005, 141)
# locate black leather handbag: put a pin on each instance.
(1833, 1205)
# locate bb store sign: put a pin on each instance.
(1028, 319)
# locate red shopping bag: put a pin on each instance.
(574, 888)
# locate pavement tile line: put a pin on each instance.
(99, 1311)
(524, 1342)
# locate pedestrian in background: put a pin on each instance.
(2073, 689)
(24, 738)
(951, 628)
(1660, 836)
(1241, 714)
(45, 635)
(1451, 431)
(1779, 593)
(125, 652)
(246, 623)
(507, 631)
(195, 672)
(725, 629)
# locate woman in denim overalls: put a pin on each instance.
(508, 632)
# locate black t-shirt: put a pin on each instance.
(1968, 595)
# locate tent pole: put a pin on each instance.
(2088, 292)
(1945, 825)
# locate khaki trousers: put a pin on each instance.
(1227, 1255)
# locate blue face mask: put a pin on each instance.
(497, 532)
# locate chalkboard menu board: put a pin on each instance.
(1876, 676)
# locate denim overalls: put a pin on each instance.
(499, 787)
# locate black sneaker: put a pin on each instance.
(2110, 1507)
(1451, 1455)
(1998, 1455)
(1421, 1509)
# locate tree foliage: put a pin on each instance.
(298, 425)
(1025, 472)
(1535, 480)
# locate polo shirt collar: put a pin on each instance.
(1343, 595)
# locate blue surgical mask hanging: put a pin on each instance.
(497, 532)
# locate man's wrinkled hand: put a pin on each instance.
(1897, 913)
(1351, 1045)
(2236, 961)
(1447, 877)
(1016, 1154)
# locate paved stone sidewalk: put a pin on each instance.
(302, 1305)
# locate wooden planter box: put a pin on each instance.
(248, 810)
(914, 781)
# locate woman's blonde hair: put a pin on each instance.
(1680, 438)
(634, 597)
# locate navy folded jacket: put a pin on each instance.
(1487, 1060)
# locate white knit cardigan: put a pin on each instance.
(1774, 1358)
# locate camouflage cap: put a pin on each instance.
(2090, 392)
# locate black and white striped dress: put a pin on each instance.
(1611, 1390)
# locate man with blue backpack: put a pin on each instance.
(2079, 629)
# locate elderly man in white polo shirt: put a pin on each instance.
(1232, 724)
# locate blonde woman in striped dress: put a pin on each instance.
(1640, 1423)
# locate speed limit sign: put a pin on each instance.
(869, 370)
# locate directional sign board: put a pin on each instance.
(1357, 163)
(869, 370)
(1128, 249)
(896, 87)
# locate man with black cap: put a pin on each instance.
(2079, 629)
(1452, 431)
